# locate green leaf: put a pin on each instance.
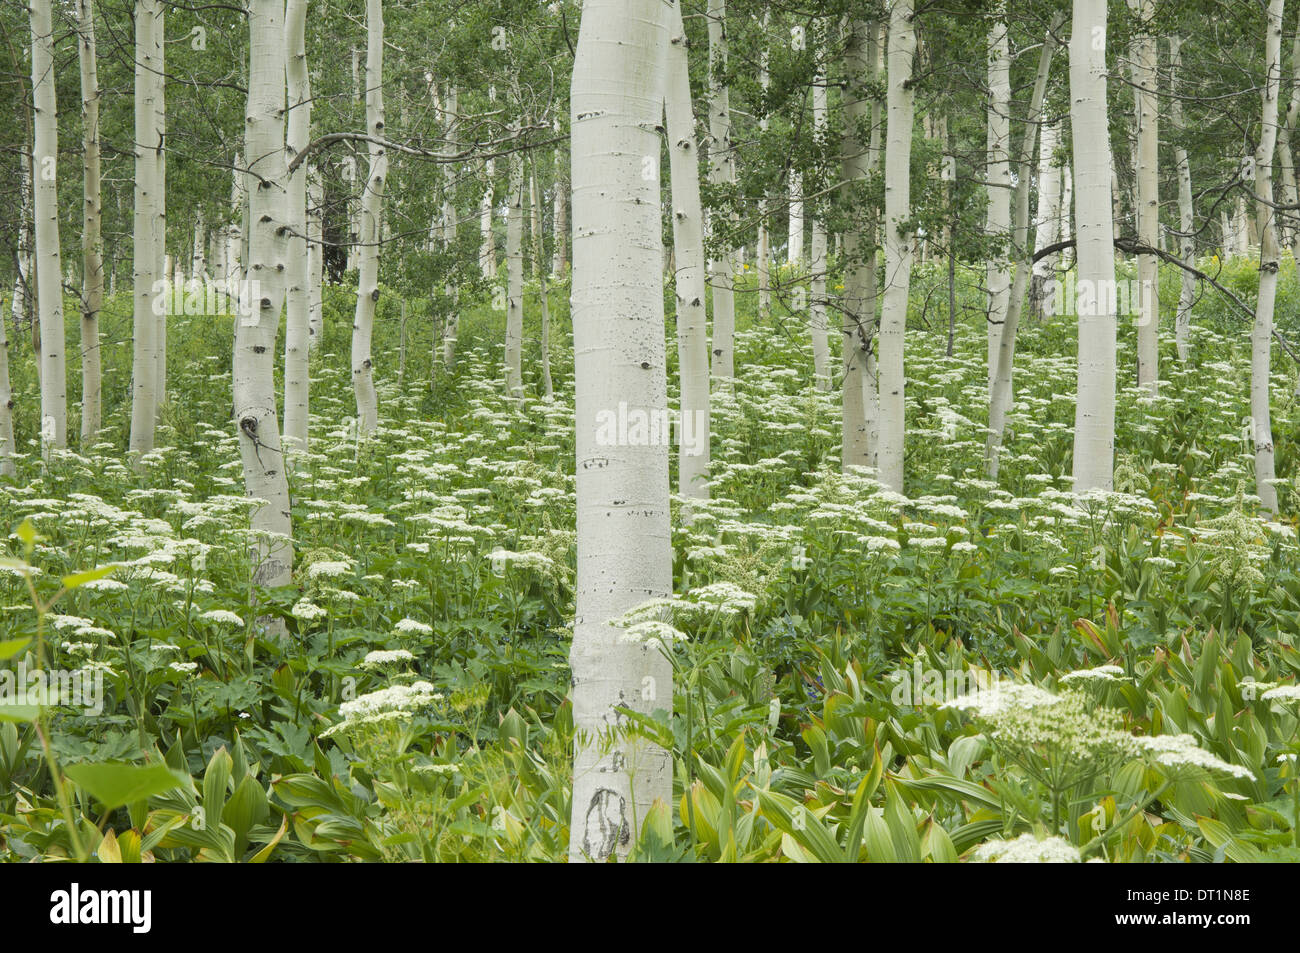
(90, 575)
(114, 783)
(12, 647)
(26, 532)
(19, 712)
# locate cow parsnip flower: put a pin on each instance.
(1027, 849)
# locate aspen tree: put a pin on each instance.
(1186, 222)
(253, 362)
(1261, 339)
(515, 281)
(539, 269)
(898, 242)
(1094, 419)
(45, 212)
(372, 198)
(624, 539)
(1048, 216)
(817, 323)
(689, 274)
(998, 216)
(297, 335)
(1148, 193)
(144, 266)
(92, 244)
(722, 171)
(157, 77)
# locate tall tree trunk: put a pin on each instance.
(1000, 397)
(624, 537)
(92, 244)
(1261, 339)
(487, 248)
(144, 267)
(159, 79)
(363, 371)
(315, 260)
(898, 241)
(253, 362)
(1186, 221)
(539, 268)
(560, 261)
(722, 171)
(515, 281)
(1094, 419)
(817, 323)
(998, 220)
(794, 248)
(297, 331)
(1048, 225)
(45, 206)
(1148, 193)
(859, 300)
(7, 468)
(1285, 137)
(25, 275)
(689, 275)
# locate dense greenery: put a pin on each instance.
(827, 622)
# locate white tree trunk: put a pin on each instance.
(363, 372)
(689, 274)
(722, 171)
(817, 323)
(1048, 226)
(560, 260)
(1186, 222)
(1261, 339)
(315, 260)
(161, 270)
(92, 244)
(763, 247)
(515, 281)
(253, 363)
(540, 268)
(487, 248)
(794, 250)
(624, 539)
(1000, 396)
(45, 206)
(898, 242)
(297, 332)
(1286, 136)
(144, 365)
(1094, 420)
(23, 279)
(859, 300)
(1148, 194)
(998, 221)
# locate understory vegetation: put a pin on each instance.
(970, 671)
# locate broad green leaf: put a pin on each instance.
(89, 575)
(12, 647)
(114, 783)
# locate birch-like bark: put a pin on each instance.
(315, 260)
(794, 247)
(1261, 339)
(253, 362)
(1290, 230)
(161, 269)
(487, 247)
(1000, 396)
(515, 281)
(297, 330)
(689, 276)
(363, 371)
(859, 301)
(560, 260)
(624, 537)
(25, 273)
(144, 364)
(1148, 193)
(898, 242)
(998, 216)
(1186, 222)
(92, 243)
(1094, 419)
(45, 210)
(817, 322)
(722, 171)
(1048, 226)
(7, 468)
(198, 261)
(539, 268)
(763, 248)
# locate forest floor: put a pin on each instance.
(973, 670)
